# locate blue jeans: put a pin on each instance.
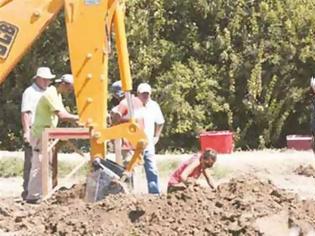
(151, 172)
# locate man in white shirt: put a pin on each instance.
(153, 125)
(31, 96)
(49, 110)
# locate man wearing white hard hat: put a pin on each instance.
(30, 98)
(120, 113)
(153, 125)
(49, 110)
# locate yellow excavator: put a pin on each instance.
(89, 26)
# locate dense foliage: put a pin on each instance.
(241, 65)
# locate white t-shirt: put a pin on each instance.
(152, 115)
(30, 99)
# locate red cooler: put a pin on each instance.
(299, 142)
(221, 141)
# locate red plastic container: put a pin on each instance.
(221, 141)
(299, 142)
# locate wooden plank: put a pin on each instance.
(45, 163)
(56, 134)
(54, 164)
(69, 133)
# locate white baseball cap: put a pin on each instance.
(67, 78)
(44, 72)
(144, 88)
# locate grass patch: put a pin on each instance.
(64, 168)
(13, 167)
(168, 166)
(220, 172)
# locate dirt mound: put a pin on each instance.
(307, 171)
(243, 206)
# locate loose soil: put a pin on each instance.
(244, 206)
(259, 193)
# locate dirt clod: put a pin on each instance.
(307, 171)
(244, 206)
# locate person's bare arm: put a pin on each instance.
(189, 169)
(157, 133)
(26, 119)
(64, 115)
(208, 179)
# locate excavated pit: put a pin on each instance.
(243, 206)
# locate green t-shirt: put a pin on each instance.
(45, 116)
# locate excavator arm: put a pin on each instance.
(89, 24)
(21, 22)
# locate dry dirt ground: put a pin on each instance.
(268, 192)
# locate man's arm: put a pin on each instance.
(56, 105)
(157, 133)
(159, 122)
(208, 179)
(26, 114)
(64, 115)
(26, 119)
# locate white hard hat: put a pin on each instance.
(144, 88)
(67, 78)
(44, 72)
(313, 83)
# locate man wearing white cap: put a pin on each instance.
(153, 125)
(49, 110)
(30, 98)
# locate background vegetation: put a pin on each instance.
(239, 65)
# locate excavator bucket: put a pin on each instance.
(107, 177)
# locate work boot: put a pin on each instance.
(33, 201)
(24, 195)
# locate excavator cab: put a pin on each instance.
(89, 27)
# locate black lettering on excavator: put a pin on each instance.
(3, 50)
(5, 28)
(8, 33)
(6, 39)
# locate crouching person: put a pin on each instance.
(49, 110)
(190, 170)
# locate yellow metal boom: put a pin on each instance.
(89, 24)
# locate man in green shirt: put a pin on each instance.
(49, 110)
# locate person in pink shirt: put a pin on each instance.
(119, 114)
(191, 169)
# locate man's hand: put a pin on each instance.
(27, 137)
